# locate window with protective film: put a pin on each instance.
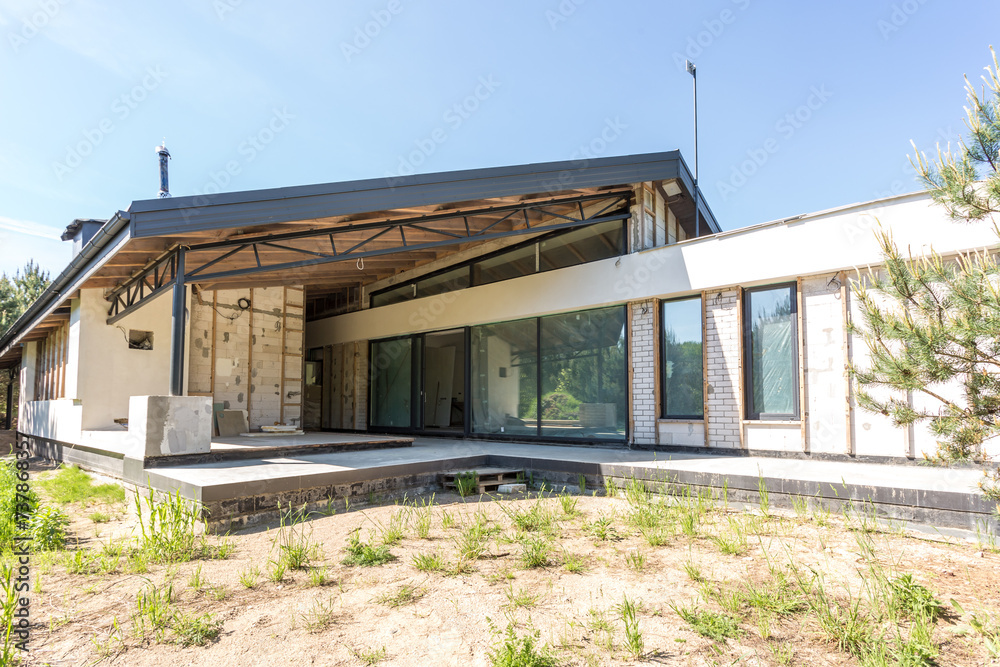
(770, 348)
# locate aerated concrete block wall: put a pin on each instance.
(249, 357)
(347, 379)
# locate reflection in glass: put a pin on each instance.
(683, 380)
(390, 381)
(504, 379)
(770, 315)
(583, 375)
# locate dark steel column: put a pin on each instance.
(179, 296)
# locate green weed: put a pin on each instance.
(536, 551)
(510, 650)
(429, 562)
(633, 635)
(71, 484)
(714, 625)
(195, 630)
(404, 595)
(365, 554)
(249, 577)
(467, 483)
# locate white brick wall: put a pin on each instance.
(725, 387)
(642, 342)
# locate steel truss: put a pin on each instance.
(156, 278)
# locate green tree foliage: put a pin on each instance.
(19, 292)
(932, 325)
(16, 294)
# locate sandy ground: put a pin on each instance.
(84, 619)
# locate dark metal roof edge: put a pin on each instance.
(388, 183)
(688, 178)
(54, 292)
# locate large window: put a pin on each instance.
(392, 390)
(583, 375)
(556, 250)
(681, 368)
(505, 378)
(560, 376)
(771, 352)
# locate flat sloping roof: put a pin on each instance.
(132, 240)
(161, 217)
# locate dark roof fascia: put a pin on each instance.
(89, 259)
(164, 217)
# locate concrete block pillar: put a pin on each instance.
(168, 426)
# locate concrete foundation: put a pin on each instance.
(168, 426)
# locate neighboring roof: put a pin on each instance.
(134, 239)
(75, 226)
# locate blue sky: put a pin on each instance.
(802, 106)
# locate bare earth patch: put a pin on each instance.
(462, 576)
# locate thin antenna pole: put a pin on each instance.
(693, 71)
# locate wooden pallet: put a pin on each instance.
(489, 478)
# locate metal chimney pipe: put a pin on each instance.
(164, 154)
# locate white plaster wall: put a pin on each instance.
(817, 244)
(26, 378)
(73, 351)
(872, 434)
(109, 372)
(59, 419)
(825, 365)
(682, 433)
(780, 437)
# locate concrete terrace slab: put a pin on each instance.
(242, 448)
(923, 495)
(304, 440)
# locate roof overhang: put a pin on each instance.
(136, 244)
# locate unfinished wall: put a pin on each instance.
(652, 224)
(246, 352)
(346, 385)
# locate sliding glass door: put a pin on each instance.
(560, 376)
(505, 378)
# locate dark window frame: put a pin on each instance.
(468, 433)
(470, 263)
(750, 412)
(662, 371)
